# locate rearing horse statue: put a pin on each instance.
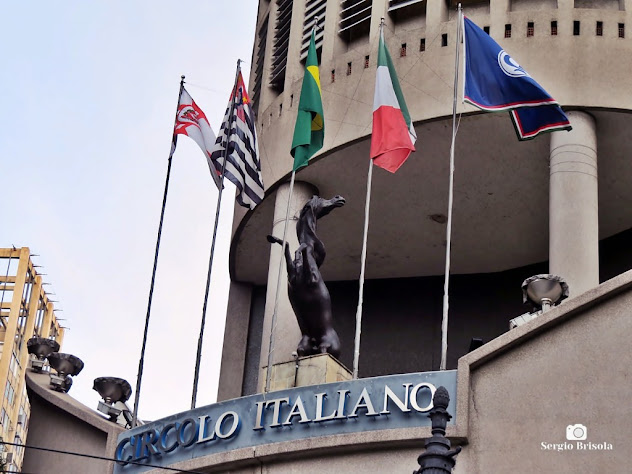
(306, 289)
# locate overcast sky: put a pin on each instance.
(89, 91)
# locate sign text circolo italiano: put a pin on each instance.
(394, 401)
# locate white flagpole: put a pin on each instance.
(278, 288)
(198, 356)
(444, 321)
(358, 331)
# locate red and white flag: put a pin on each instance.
(393, 137)
(192, 122)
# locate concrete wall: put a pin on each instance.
(59, 422)
(515, 397)
(51, 427)
(413, 305)
(584, 70)
(570, 366)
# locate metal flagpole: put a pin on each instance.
(356, 350)
(276, 298)
(141, 362)
(210, 262)
(444, 321)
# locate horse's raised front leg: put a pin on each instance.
(291, 270)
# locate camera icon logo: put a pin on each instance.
(576, 432)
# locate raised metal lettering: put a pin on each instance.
(297, 410)
(413, 396)
(233, 429)
(319, 409)
(277, 410)
(364, 397)
(202, 424)
(164, 434)
(342, 402)
(259, 419)
(120, 450)
(192, 433)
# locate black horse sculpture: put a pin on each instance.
(307, 291)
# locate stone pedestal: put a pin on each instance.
(305, 371)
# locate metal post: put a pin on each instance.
(141, 362)
(198, 356)
(438, 458)
(446, 283)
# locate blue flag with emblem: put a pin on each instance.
(495, 82)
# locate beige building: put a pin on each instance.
(549, 396)
(25, 311)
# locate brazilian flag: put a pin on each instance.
(309, 130)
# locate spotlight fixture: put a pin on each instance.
(541, 292)
(40, 348)
(113, 390)
(65, 365)
(544, 291)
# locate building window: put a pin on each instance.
(4, 420)
(402, 51)
(599, 29)
(291, 100)
(280, 109)
(366, 61)
(576, 28)
(422, 44)
(14, 366)
(530, 29)
(333, 75)
(554, 28)
(348, 68)
(508, 31)
(9, 393)
(621, 30)
(444, 39)
(486, 29)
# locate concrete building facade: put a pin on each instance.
(558, 204)
(25, 311)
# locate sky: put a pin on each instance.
(89, 91)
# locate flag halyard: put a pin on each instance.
(393, 136)
(309, 130)
(496, 82)
(243, 166)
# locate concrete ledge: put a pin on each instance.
(38, 384)
(512, 339)
(413, 437)
(342, 443)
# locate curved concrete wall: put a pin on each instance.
(579, 71)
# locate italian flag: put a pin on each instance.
(394, 135)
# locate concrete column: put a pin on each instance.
(287, 333)
(573, 210)
(231, 375)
